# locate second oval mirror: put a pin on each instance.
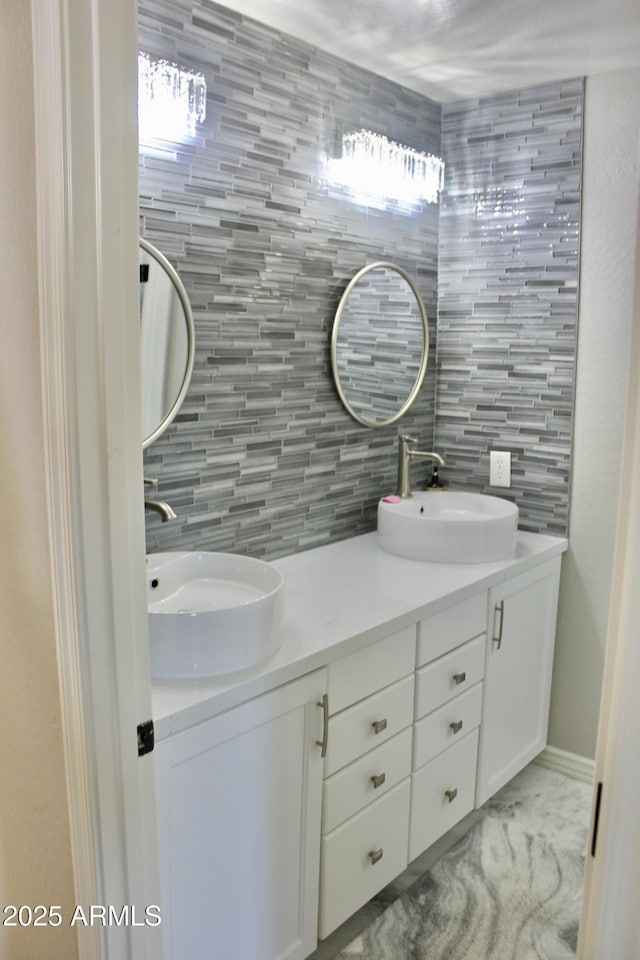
(379, 344)
(167, 342)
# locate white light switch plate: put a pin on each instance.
(499, 468)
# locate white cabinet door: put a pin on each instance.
(517, 685)
(239, 803)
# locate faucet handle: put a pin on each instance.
(406, 439)
(150, 482)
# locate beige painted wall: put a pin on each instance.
(608, 254)
(35, 854)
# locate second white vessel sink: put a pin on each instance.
(448, 527)
(211, 613)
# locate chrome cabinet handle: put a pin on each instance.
(375, 855)
(379, 725)
(456, 726)
(378, 779)
(499, 609)
(324, 703)
(451, 794)
(459, 678)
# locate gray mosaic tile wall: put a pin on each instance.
(262, 458)
(507, 294)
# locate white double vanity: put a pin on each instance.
(404, 694)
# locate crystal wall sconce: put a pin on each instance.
(171, 100)
(372, 164)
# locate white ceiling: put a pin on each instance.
(454, 49)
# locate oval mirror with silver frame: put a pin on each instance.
(167, 336)
(379, 344)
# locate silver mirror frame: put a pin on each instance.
(191, 339)
(425, 348)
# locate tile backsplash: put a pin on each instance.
(262, 457)
(508, 294)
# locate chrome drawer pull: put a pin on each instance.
(459, 677)
(499, 609)
(451, 794)
(324, 703)
(456, 726)
(379, 725)
(378, 779)
(375, 855)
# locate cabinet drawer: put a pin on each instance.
(447, 725)
(368, 724)
(366, 671)
(362, 856)
(365, 780)
(449, 675)
(450, 775)
(448, 629)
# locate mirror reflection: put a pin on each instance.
(379, 345)
(167, 342)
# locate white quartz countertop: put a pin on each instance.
(339, 598)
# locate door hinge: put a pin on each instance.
(146, 738)
(596, 819)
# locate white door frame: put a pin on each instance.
(610, 924)
(85, 72)
(86, 136)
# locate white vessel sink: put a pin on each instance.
(211, 613)
(448, 527)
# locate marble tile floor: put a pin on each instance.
(541, 800)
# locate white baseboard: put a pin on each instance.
(571, 764)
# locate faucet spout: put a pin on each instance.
(159, 506)
(406, 454)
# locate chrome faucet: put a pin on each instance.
(159, 506)
(406, 454)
